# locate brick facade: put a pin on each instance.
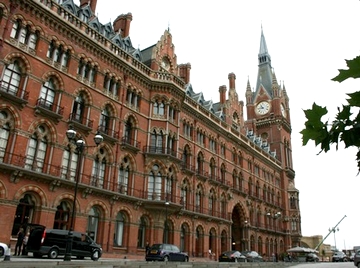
(228, 180)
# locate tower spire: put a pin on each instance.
(264, 78)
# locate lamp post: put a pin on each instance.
(246, 236)
(80, 145)
(165, 229)
(276, 216)
(334, 230)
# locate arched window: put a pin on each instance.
(24, 213)
(199, 199)
(223, 206)
(111, 85)
(105, 120)
(129, 132)
(159, 108)
(11, 79)
(186, 157)
(200, 165)
(223, 173)
(171, 145)
(212, 169)
(61, 220)
(182, 237)
(98, 171)
(93, 223)
(184, 194)
(156, 142)
(132, 98)
(78, 111)
(154, 183)
(119, 229)
(142, 233)
(37, 148)
(211, 202)
(47, 95)
(123, 177)
(4, 133)
(69, 164)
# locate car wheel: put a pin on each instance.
(345, 260)
(53, 253)
(95, 255)
(2, 251)
(236, 260)
(186, 259)
(166, 258)
(358, 265)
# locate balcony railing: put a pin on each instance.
(13, 93)
(130, 141)
(108, 132)
(162, 150)
(89, 183)
(50, 106)
(81, 120)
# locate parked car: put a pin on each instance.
(166, 252)
(312, 257)
(252, 256)
(339, 256)
(3, 249)
(357, 258)
(232, 256)
(52, 242)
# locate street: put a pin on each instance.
(326, 264)
(111, 262)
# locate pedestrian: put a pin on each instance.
(147, 248)
(19, 242)
(26, 238)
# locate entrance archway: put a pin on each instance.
(239, 237)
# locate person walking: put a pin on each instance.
(26, 238)
(147, 248)
(19, 242)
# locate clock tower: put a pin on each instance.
(267, 107)
(268, 126)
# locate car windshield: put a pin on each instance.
(157, 246)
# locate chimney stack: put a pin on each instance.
(91, 3)
(232, 78)
(184, 72)
(122, 23)
(222, 91)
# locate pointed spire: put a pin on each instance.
(248, 93)
(275, 85)
(264, 78)
(264, 56)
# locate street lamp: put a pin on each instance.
(246, 235)
(165, 229)
(80, 145)
(334, 230)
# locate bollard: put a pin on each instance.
(7, 254)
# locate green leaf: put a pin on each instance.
(353, 71)
(354, 99)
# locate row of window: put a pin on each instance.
(87, 70)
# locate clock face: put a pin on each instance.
(283, 112)
(165, 64)
(262, 108)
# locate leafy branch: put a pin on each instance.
(346, 127)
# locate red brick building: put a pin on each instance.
(172, 166)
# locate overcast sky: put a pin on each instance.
(308, 42)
